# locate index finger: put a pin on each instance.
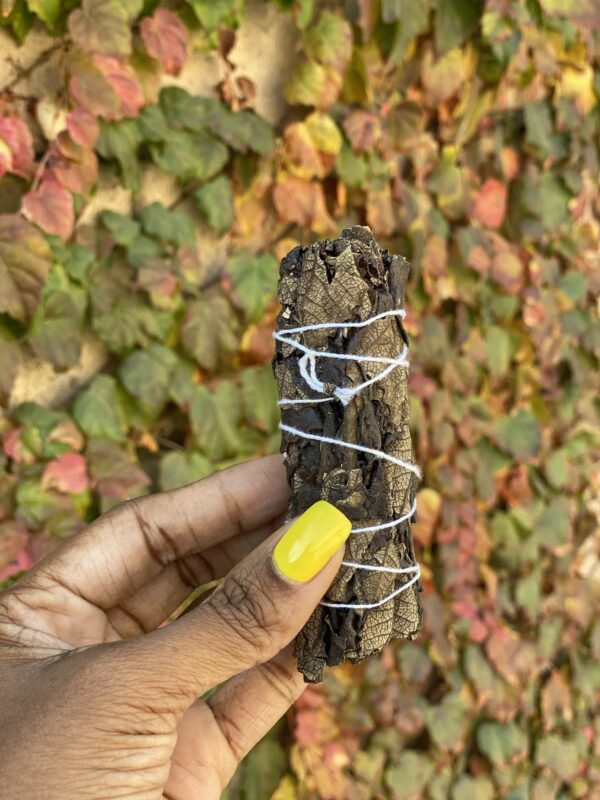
(135, 541)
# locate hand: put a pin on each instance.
(97, 701)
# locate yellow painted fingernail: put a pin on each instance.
(310, 541)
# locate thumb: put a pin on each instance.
(258, 609)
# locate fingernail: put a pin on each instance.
(310, 542)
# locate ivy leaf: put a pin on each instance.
(302, 202)
(519, 434)
(259, 397)
(146, 374)
(122, 141)
(455, 20)
(83, 127)
(215, 203)
(90, 89)
(178, 469)
(215, 417)
(489, 207)
(114, 472)
(172, 226)
(502, 744)
(329, 41)
(16, 146)
(190, 156)
(124, 82)
(124, 230)
(10, 361)
(208, 330)
(97, 409)
(184, 110)
(243, 130)
(101, 26)
(351, 167)
(166, 39)
(313, 84)
(25, 260)
(56, 331)
(255, 281)
(212, 13)
(410, 775)
(51, 207)
(67, 474)
(47, 10)
(498, 349)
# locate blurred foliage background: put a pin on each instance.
(144, 204)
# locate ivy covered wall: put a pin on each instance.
(156, 160)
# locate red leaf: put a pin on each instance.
(67, 473)
(123, 80)
(17, 136)
(490, 204)
(51, 207)
(83, 127)
(363, 129)
(75, 167)
(166, 39)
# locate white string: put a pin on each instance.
(307, 367)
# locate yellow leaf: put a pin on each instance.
(578, 85)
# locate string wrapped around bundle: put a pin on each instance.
(341, 365)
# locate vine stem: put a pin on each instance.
(25, 72)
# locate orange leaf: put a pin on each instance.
(490, 204)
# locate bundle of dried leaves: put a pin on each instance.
(347, 280)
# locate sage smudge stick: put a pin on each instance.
(351, 279)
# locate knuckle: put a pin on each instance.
(247, 608)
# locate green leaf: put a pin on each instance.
(259, 397)
(178, 469)
(121, 140)
(124, 230)
(351, 167)
(540, 130)
(146, 374)
(447, 721)
(190, 156)
(313, 84)
(255, 280)
(519, 434)
(468, 788)
(208, 331)
(152, 124)
(172, 226)
(215, 417)
(215, 203)
(455, 20)
(143, 250)
(47, 10)
(329, 41)
(20, 20)
(498, 349)
(97, 409)
(56, 330)
(212, 13)
(410, 775)
(78, 261)
(243, 130)
(559, 755)
(554, 199)
(554, 525)
(502, 744)
(182, 110)
(557, 468)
